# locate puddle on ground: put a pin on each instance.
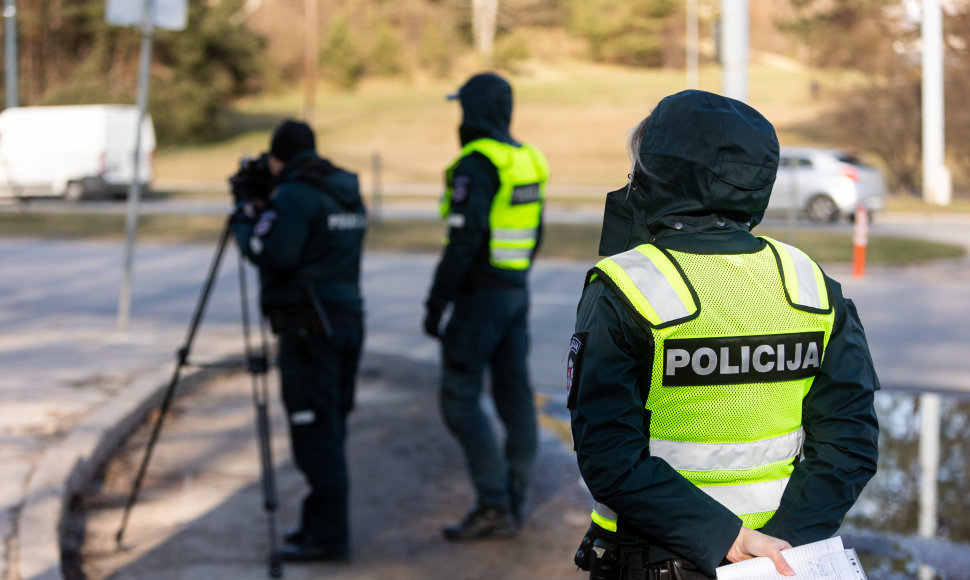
(884, 524)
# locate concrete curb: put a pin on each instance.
(66, 468)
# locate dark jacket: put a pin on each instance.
(707, 168)
(486, 102)
(309, 238)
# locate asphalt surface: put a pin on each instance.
(73, 387)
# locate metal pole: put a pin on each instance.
(693, 75)
(376, 168)
(134, 189)
(10, 50)
(734, 49)
(929, 463)
(936, 187)
(311, 53)
(484, 13)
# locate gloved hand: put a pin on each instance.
(432, 320)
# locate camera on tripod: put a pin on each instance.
(253, 181)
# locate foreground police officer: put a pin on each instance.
(719, 383)
(493, 206)
(307, 242)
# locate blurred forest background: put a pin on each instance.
(863, 56)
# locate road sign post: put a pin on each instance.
(149, 14)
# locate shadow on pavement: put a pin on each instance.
(200, 513)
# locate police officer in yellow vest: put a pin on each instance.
(493, 208)
(720, 385)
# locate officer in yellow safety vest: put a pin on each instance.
(492, 205)
(720, 386)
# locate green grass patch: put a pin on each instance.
(562, 241)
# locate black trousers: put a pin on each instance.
(319, 375)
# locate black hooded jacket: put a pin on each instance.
(707, 164)
(486, 103)
(309, 237)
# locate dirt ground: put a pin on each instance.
(200, 514)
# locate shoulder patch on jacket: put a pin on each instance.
(574, 365)
(265, 223)
(460, 185)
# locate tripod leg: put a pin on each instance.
(183, 355)
(258, 367)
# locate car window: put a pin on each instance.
(795, 161)
(851, 160)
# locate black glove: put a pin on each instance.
(432, 320)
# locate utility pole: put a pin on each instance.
(734, 49)
(11, 63)
(484, 14)
(936, 177)
(693, 67)
(311, 47)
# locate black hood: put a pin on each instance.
(703, 158)
(310, 168)
(486, 106)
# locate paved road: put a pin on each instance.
(63, 361)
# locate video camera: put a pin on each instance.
(253, 181)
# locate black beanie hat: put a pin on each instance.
(292, 137)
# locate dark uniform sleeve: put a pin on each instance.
(475, 182)
(841, 435)
(276, 236)
(649, 496)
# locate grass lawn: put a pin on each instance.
(577, 113)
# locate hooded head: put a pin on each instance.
(697, 155)
(486, 106)
(290, 139)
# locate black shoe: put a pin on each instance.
(293, 536)
(314, 553)
(487, 523)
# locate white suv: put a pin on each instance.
(826, 184)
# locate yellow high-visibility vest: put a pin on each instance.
(517, 206)
(738, 341)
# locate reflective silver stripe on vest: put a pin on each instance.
(510, 235)
(684, 456)
(603, 511)
(805, 271)
(507, 254)
(654, 286)
(748, 499)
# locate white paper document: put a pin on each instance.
(823, 560)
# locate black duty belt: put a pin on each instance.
(629, 563)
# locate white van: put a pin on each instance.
(72, 151)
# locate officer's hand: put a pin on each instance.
(245, 208)
(432, 321)
(751, 543)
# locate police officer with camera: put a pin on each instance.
(720, 386)
(306, 238)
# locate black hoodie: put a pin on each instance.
(309, 237)
(486, 104)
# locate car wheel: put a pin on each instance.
(822, 209)
(73, 191)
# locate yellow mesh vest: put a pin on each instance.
(738, 339)
(517, 206)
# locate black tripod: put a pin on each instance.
(256, 362)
